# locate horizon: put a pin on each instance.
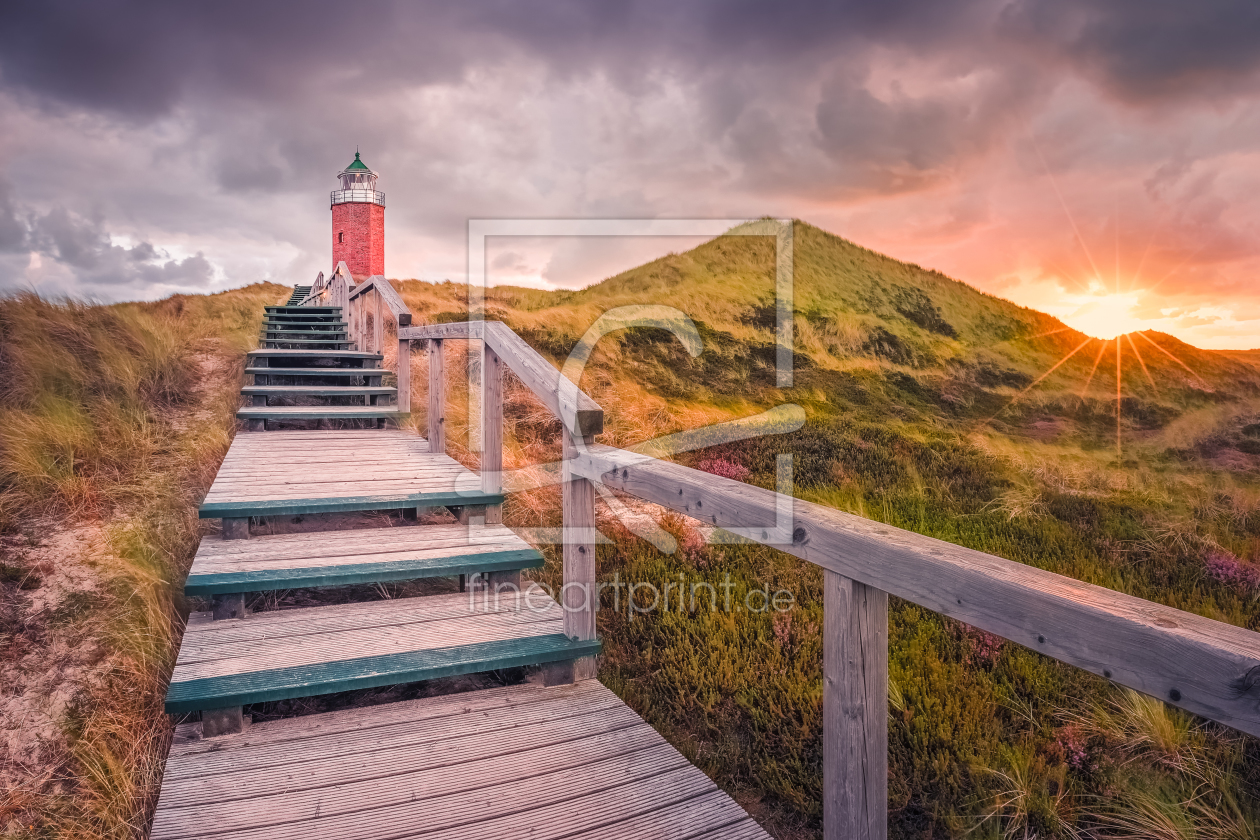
(1093, 162)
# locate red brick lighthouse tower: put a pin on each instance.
(358, 221)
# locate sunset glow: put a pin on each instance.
(1105, 316)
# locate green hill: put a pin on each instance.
(927, 409)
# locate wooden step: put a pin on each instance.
(337, 558)
(318, 390)
(305, 329)
(285, 654)
(281, 353)
(311, 342)
(318, 412)
(306, 322)
(298, 472)
(315, 371)
(283, 309)
(520, 761)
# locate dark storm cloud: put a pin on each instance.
(83, 244)
(1147, 50)
(142, 58)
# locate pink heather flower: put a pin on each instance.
(982, 648)
(1072, 742)
(724, 468)
(1228, 569)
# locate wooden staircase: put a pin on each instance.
(307, 370)
(560, 756)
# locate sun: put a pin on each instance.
(1104, 315)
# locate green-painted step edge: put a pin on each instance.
(315, 354)
(255, 371)
(315, 343)
(307, 322)
(283, 307)
(205, 585)
(371, 672)
(369, 412)
(318, 391)
(335, 504)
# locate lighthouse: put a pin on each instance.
(358, 221)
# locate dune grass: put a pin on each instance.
(116, 417)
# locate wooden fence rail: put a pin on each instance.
(1204, 666)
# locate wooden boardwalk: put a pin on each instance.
(523, 761)
(558, 756)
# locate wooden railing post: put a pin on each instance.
(437, 397)
(403, 375)
(578, 594)
(492, 429)
(377, 329)
(855, 710)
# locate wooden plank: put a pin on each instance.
(337, 504)
(317, 390)
(492, 429)
(326, 736)
(392, 473)
(539, 807)
(570, 761)
(561, 397)
(370, 672)
(281, 353)
(578, 593)
(286, 491)
(202, 662)
(403, 375)
(1206, 667)
(204, 584)
(464, 330)
(279, 371)
(403, 788)
(437, 398)
(272, 625)
(395, 774)
(855, 710)
(362, 540)
(316, 412)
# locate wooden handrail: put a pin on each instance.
(580, 414)
(1204, 666)
(389, 296)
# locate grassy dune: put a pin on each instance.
(908, 379)
(113, 420)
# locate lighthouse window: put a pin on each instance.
(341, 237)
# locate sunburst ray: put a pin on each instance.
(1175, 359)
(1038, 380)
(1142, 362)
(1102, 349)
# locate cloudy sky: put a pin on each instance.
(1097, 159)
